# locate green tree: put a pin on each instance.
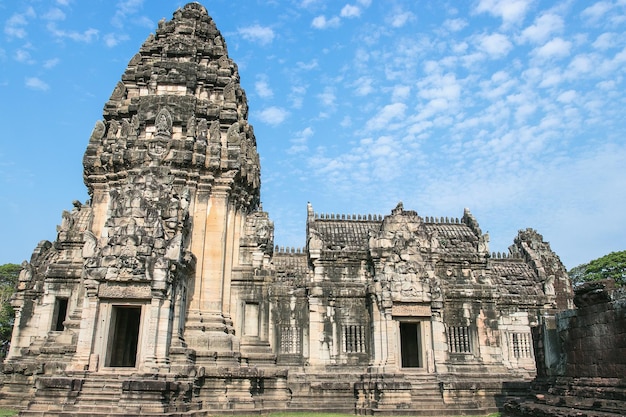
(9, 274)
(611, 266)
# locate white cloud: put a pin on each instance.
(296, 95)
(455, 25)
(51, 63)
(440, 86)
(307, 66)
(544, 26)
(113, 39)
(582, 64)
(63, 2)
(499, 85)
(144, 21)
(320, 22)
(327, 98)
(567, 96)
(400, 92)
(86, 36)
(555, 48)
(273, 115)
(15, 26)
(400, 18)
(309, 3)
(36, 84)
(596, 11)
(54, 14)
(299, 142)
(511, 11)
(262, 88)
(388, 114)
(363, 86)
(496, 45)
(23, 56)
(606, 40)
(256, 33)
(349, 11)
(124, 9)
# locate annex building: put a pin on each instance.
(165, 292)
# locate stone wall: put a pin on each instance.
(581, 358)
(594, 335)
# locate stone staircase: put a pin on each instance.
(324, 391)
(107, 395)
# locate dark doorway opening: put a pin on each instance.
(124, 336)
(60, 312)
(410, 345)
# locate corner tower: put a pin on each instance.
(173, 172)
(143, 272)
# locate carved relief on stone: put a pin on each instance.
(126, 128)
(229, 92)
(118, 92)
(98, 131)
(90, 245)
(25, 278)
(135, 60)
(398, 251)
(223, 62)
(202, 130)
(114, 126)
(191, 127)
(134, 123)
(215, 135)
(215, 145)
(232, 136)
(147, 219)
(158, 147)
(163, 123)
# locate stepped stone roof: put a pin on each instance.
(348, 235)
(179, 104)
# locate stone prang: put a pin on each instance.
(165, 294)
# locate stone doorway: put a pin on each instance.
(60, 314)
(124, 336)
(411, 345)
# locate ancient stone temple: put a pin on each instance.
(165, 293)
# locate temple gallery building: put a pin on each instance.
(165, 292)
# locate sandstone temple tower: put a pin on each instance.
(165, 293)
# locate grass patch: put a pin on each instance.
(6, 413)
(307, 414)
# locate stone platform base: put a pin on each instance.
(571, 397)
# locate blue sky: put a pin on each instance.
(515, 109)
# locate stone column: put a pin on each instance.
(149, 336)
(212, 267)
(316, 327)
(164, 334)
(231, 237)
(382, 334)
(87, 331)
(198, 241)
(100, 204)
(209, 327)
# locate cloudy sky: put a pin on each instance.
(515, 109)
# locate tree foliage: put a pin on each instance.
(611, 266)
(9, 274)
